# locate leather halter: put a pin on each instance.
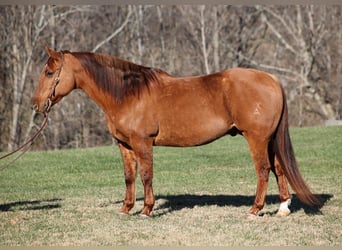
(48, 103)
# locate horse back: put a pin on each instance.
(189, 111)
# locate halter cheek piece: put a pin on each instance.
(48, 103)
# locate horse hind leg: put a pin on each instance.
(259, 152)
(284, 194)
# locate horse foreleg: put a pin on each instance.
(259, 153)
(130, 170)
(143, 150)
(284, 194)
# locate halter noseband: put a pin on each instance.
(48, 103)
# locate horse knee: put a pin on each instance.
(130, 178)
(146, 176)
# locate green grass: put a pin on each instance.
(71, 197)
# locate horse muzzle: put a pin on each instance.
(47, 106)
(42, 109)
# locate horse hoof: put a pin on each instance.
(144, 216)
(252, 216)
(122, 214)
(283, 212)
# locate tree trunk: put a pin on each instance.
(216, 40)
(204, 43)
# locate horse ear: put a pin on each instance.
(51, 52)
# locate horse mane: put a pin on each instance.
(117, 77)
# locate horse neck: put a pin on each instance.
(92, 89)
(101, 77)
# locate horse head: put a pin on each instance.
(56, 81)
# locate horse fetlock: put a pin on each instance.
(284, 208)
(256, 208)
(126, 207)
(147, 210)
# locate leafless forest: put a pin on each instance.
(300, 44)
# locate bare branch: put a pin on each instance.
(280, 18)
(116, 32)
(73, 10)
(278, 35)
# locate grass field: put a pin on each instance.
(71, 197)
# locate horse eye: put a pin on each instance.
(49, 73)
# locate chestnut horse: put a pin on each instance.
(147, 107)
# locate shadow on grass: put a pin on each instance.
(178, 202)
(31, 205)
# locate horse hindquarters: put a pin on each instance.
(255, 104)
(277, 154)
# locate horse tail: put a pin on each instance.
(285, 154)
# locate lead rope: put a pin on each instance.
(27, 144)
(47, 107)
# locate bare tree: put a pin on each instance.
(28, 22)
(300, 32)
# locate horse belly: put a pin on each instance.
(189, 133)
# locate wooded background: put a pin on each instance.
(301, 45)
